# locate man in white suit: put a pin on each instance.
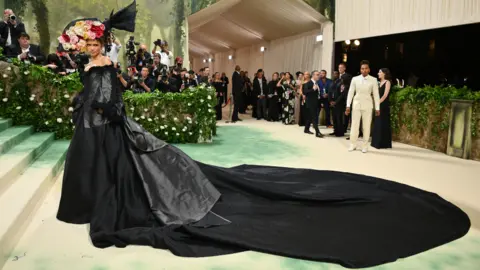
(360, 93)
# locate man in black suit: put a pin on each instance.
(338, 100)
(260, 91)
(26, 51)
(347, 79)
(10, 29)
(311, 92)
(237, 85)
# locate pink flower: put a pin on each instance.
(91, 35)
(74, 39)
(89, 23)
(102, 26)
(62, 40)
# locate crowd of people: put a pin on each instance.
(345, 100)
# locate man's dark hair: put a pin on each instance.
(191, 72)
(343, 64)
(323, 70)
(298, 73)
(202, 69)
(365, 62)
(184, 70)
(23, 34)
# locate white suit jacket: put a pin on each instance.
(361, 91)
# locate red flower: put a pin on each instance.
(97, 30)
(66, 37)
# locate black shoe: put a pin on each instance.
(348, 138)
(332, 134)
(308, 132)
(319, 135)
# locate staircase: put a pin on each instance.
(29, 165)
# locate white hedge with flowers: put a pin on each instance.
(32, 95)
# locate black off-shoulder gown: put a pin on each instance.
(134, 189)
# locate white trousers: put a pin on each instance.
(366, 117)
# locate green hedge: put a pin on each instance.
(33, 95)
(421, 116)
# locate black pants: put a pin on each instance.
(311, 118)
(236, 107)
(262, 108)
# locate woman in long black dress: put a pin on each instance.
(134, 189)
(218, 85)
(273, 98)
(382, 130)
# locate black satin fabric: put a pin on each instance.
(134, 189)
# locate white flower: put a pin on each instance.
(201, 100)
(189, 104)
(97, 23)
(59, 120)
(156, 105)
(163, 115)
(9, 68)
(71, 121)
(132, 109)
(33, 95)
(166, 132)
(1, 90)
(149, 119)
(156, 130)
(209, 105)
(143, 116)
(173, 128)
(190, 133)
(136, 118)
(200, 132)
(175, 119)
(210, 110)
(32, 98)
(162, 127)
(19, 108)
(5, 75)
(66, 96)
(46, 123)
(145, 110)
(26, 72)
(209, 97)
(40, 104)
(54, 100)
(70, 109)
(16, 92)
(184, 129)
(189, 119)
(177, 134)
(5, 99)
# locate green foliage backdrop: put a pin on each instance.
(32, 95)
(420, 116)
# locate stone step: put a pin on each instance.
(15, 161)
(13, 136)
(5, 123)
(20, 201)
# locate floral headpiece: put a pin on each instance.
(75, 37)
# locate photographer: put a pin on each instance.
(143, 58)
(55, 64)
(166, 56)
(29, 53)
(157, 68)
(130, 52)
(10, 29)
(114, 48)
(165, 83)
(187, 79)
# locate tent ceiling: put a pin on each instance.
(233, 24)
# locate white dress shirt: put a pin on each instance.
(166, 59)
(260, 81)
(113, 53)
(361, 91)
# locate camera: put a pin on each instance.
(12, 17)
(131, 50)
(157, 42)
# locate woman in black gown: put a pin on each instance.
(382, 130)
(134, 189)
(218, 85)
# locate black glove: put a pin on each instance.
(109, 110)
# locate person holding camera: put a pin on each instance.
(10, 29)
(26, 52)
(165, 54)
(55, 64)
(166, 84)
(114, 46)
(157, 68)
(138, 84)
(143, 58)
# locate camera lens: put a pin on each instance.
(13, 17)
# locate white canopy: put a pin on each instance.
(233, 24)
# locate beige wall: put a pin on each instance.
(356, 19)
